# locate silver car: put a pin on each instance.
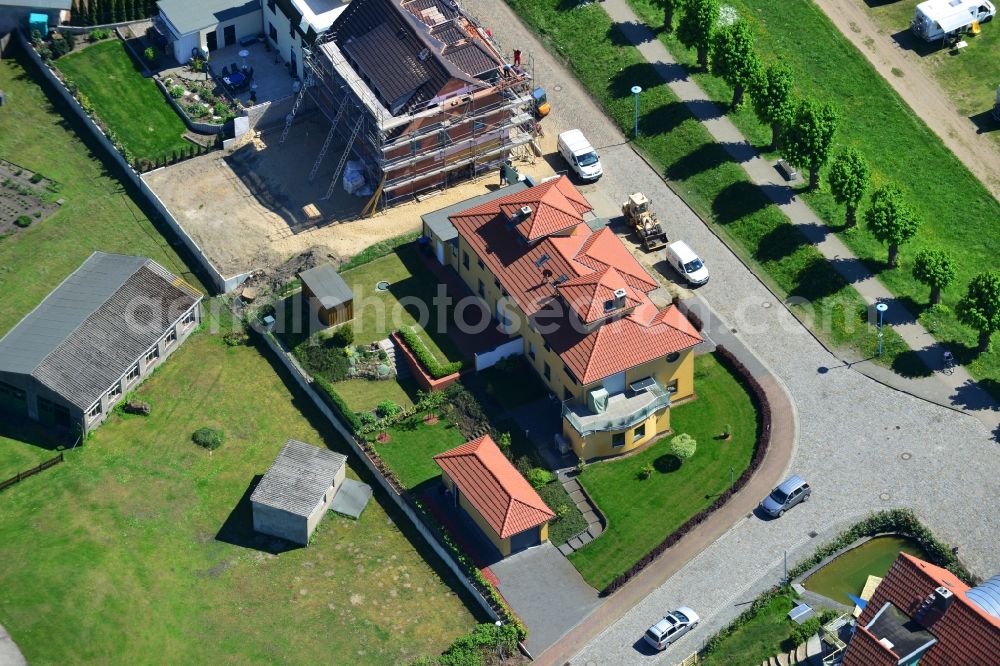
(791, 491)
(671, 627)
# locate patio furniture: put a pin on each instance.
(234, 68)
(248, 40)
(236, 80)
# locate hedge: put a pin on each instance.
(377, 251)
(337, 404)
(759, 398)
(435, 368)
(900, 521)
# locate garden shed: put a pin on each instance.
(324, 287)
(297, 490)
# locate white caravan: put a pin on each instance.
(938, 19)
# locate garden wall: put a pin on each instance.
(270, 114)
(220, 283)
(193, 125)
(424, 379)
(491, 358)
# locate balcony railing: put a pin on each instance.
(624, 411)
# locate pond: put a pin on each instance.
(848, 573)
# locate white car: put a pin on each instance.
(673, 625)
(684, 260)
(580, 155)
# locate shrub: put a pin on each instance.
(539, 477)
(236, 337)
(523, 466)
(319, 359)
(367, 419)
(149, 54)
(562, 511)
(683, 446)
(98, 34)
(36, 178)
(177, 92)
(337, 404)
(503, 443)
(23, 221)
(387, 409)
(581, 466)
(802, 632)
(434, 368)
(428, 400)
(343, 336)
(646, 471)
(219, 109)
(210, 438)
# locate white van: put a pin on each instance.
(582, 157)
(683, 259)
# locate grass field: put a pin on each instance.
(98, 214)
(139, 548)
(130, 105)
(413, 445)
(703, 173)
(642, 512)
(768, 633)
(957, 212)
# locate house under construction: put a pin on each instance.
(419, 93)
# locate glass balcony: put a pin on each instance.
(624, 410)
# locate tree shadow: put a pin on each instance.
(705, 157)
(705, 109)
(782, 241)
(737, 200)
(641, 74)
(238, 529)
(663, 119)
(667, 463)
(976, 395)
(985, 122)
(817, 280)
(910, 364)
(630, 33)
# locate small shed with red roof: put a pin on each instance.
(495, 495)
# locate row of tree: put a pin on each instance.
(803, 130)
(100, 12)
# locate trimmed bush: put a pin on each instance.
(387, 409)
(378, 250)
(343, 336)
(325, 361)
(434, 368)
(539, 477)
(209, 438)
(23, 221)
(337, 404)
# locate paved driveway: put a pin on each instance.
(853, 431)
(547, 592)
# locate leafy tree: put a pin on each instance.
(697, 27)
(734, 59)
(669, 7)
(807, 138)
(891, 220)
(683, 446)
(980, 307)
(850, 179)
(116, 10)
(92, 12)
(771, 94)
(936, 269)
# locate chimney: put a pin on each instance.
(525, 212)
(619, 298)
(943, 597)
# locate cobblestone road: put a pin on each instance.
(853, 432)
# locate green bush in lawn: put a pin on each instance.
(802, 632)
(322, 360)
(539, 477)
(343, 336)
(683, 446)
(388, 409)
(23, 221)
(210, 438)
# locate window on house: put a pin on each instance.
(482, 289)
(478, 125)
(272, 32)
(496, 283)
(152, 355)
(6, 390)
(639, 432)
(454, 251)
(94, 412)
(547, 371)
(133, 374)
(567, 394)
(531, 350)
(546, 344)
(482, 266)
(617, 439)
(465, 259)
(188, 318)
(672, 386)
(571, 376)
(673, 356)
(115, 393)
(171, 337)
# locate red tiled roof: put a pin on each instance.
(966, 633)
(865, 650)
(530, 273)
(498, 492)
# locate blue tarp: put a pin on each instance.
(858, 601)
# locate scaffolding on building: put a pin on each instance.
(491, 129)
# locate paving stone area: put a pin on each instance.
(595, 526)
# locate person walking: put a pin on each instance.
(517, 57)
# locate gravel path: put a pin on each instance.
(853, 431)
(918, 89)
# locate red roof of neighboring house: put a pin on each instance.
(966, 633)
(582, 267)
(498, 492)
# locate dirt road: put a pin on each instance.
(917, 89)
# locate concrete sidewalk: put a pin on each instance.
(956, 391)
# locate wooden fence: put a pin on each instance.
(21, 476)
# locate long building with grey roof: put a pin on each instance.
(94, 339)
(297, 490)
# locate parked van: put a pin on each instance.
(582, 157)
(938, 19)
(683, 259)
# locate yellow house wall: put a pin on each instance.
(503, 545)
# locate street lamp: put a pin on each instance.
(881, 307)
(499, 642)
(635, 93)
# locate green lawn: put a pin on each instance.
(98, 214)
(703, 173)
(127, 552)
(412, 446)
(957, 212)
(970, 78)
(766, 634)
(642, 513)
(132, 106)
(363, 395)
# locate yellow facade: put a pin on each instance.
(676, 374)
(503, 545)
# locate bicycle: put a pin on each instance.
(949, 363)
